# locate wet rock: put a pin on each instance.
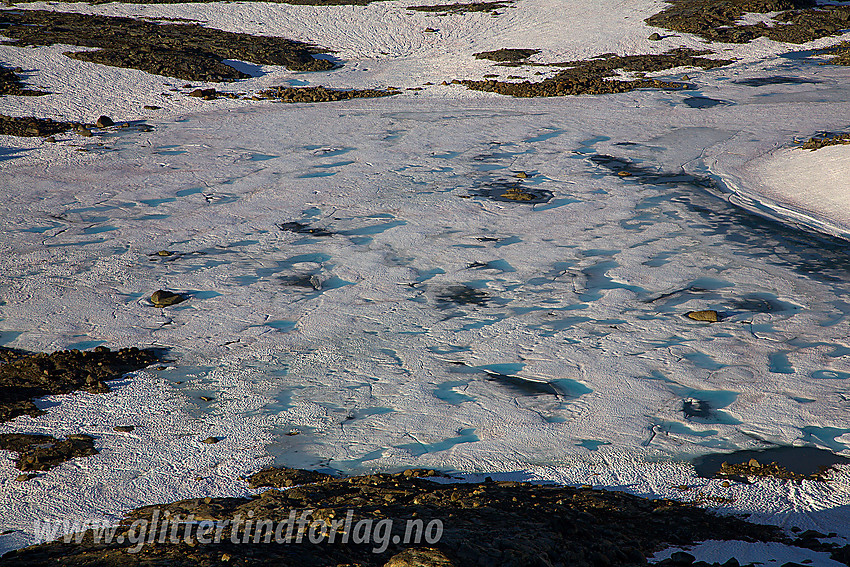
(162, 298)
(517, 194)
(696, 408)
(706, 315)
(420, 557)
(84, 132)
(25, 376)
(308, 281)
(754, 468)
(283, 477)
(104, 122)
(43, 452)
(513, 192)
(682, 558)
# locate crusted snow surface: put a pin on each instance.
(432, 325)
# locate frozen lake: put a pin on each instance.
(365, 293)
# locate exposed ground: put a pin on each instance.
(840, 53)
(507, 54)
(319, 94)
(560, 526)
(593, 76)
(29, 126)
(772, 470)
(798, 21)
(25, 376)
(826, 139)
(295, 2)
(43, 452)
(185, 51)
(462, 7)
(10, 84)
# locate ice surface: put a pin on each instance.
(430, 325)
(812, 187)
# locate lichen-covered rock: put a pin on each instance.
(598, 75)
(283, 477)
(420, 557)
(186, 51)
(706, 315)
(162, 298)
(321, 94)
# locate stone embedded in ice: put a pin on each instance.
(707, 315)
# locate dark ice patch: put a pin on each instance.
(774, 80)
(463, 295)
(692, 407)
(303, 228)
(702, 102)
(630, 170)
